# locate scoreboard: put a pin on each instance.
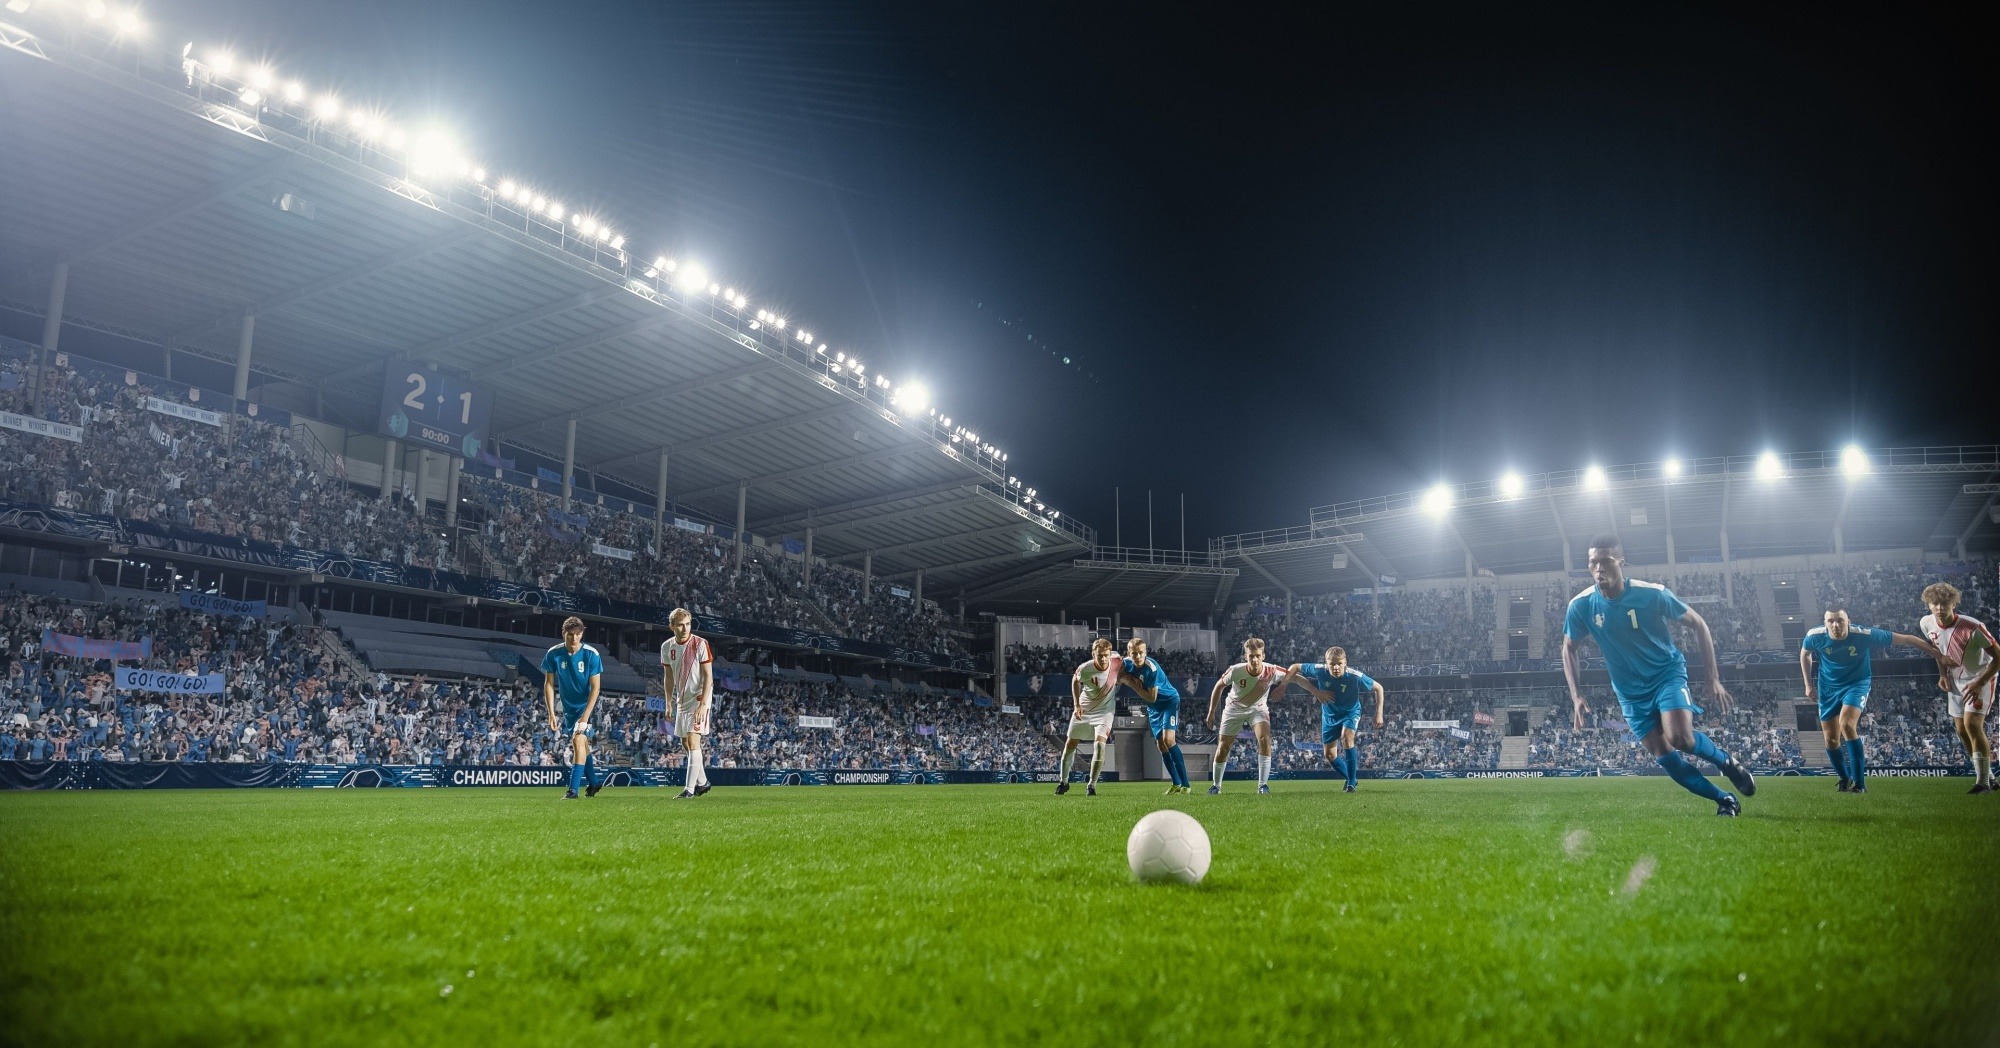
(434, 410)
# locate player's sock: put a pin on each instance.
(1353, 769)
(1263, 769)
(1176, 767)
(1981, 769)
(1706, 749)
(1217, 767)
(1068, 761)
(1096, 763)
(590, 769)
(697, 773)
(575, 776)
(1838, 755)
(1857, 763)
(1689, 776)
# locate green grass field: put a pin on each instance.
(1410, 913)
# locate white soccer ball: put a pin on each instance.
(1168, 845)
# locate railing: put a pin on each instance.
(1137, 556)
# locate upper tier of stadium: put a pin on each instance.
(174, 198)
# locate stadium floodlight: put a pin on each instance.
(222, 62)
(618, 243)
(294, 91)
(1595, 479)
(1003, 456)
(1671, 467)
(479, 174)
(715, 289)
(1853, 460)
(1768, 466)
(130, 25)
(396, 138)
(326, 107)
(1437, 501)
(841, 357)
(1511, 485)
(1053, 514)
(250, 97)
(95, 8)
(260, 78)
(19, 7)
(691, 277)
(508, 189)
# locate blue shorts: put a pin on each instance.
(1334, 719)
(1830, 702)
(1642, 713)
(1163, 716)
(569, 719)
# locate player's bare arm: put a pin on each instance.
(549, 700)
(1806, 671)
(1151, 695)
(1215, 698)
(1295, 674)
(707, 695)
(1706, 642)
(1380, 694)
(1572, 670)
(590, 707)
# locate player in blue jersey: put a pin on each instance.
(1632, 623)
(1339, 689)
(1836, 661)
(574, 670)
(1163, 709)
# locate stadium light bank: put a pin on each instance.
(432, 156)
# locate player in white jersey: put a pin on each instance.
(1251, 684)
(1093, 692)
(1970, 661)
(688, 665)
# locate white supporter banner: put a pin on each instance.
(613, 552)
(130, 679)
(41, 427)
(1009, 708)
(1434, 724)
(689, 525)
(1461, 733)
(815, 722)
(168, 407)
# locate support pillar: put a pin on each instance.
(243, 340)
(452, 470)
(742, 503)
(660, 501)
(917, 591)
(423, 480)
(569, 463)
(1468, 582)
(867, 574)
(388, 468)
(809, 558)
(45, 355)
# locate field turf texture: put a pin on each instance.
(1432, 912)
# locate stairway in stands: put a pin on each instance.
(1514, 751)
(1812, 746)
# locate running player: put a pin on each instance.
(1163, 709)
(1250, 684)
(687, 664)
(1968, 651)
(576, 670)
(1339, 688)
(1632, 622)
(1093, 692)
(1836, 660)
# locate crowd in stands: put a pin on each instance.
(1891, 595)
(1055, 660)
(250, 479)
(1422, 626)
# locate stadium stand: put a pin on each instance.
(254, 480)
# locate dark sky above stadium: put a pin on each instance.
(1290, 259)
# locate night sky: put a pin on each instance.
(1290, 260)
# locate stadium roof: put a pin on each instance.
(186, 193)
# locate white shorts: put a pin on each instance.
(1234, 718)
(1091, 726)
(1981, 702)
(686, 712)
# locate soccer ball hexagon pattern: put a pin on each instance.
(1168, 845)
